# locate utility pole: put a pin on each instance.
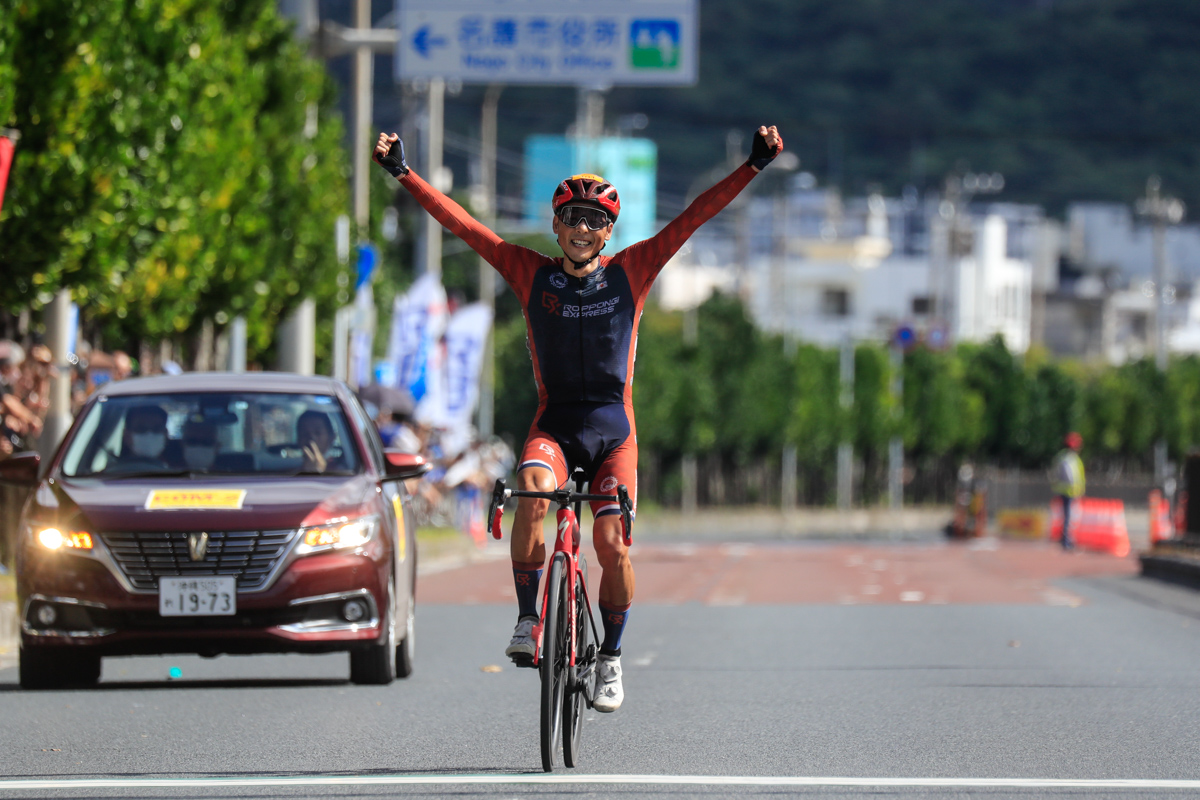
(689, 488)
(488, 123)
(364, 80)
(1160, 211)
(896, 444)
(845, 453)
(434, 130)
(589, 112)
(61, 329)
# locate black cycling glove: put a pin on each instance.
(393, 162)
(760, 154)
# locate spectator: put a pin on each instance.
(18, 423)
(34, 385)
(122, 365)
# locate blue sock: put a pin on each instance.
(614, 625)
(526, 578)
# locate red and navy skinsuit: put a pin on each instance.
(582, 335)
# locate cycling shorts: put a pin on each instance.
(599, 438)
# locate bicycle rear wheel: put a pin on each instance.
(554, 659)
(579, 675)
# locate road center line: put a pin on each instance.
(561, 779)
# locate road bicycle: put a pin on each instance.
(565, 637)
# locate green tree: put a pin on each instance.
(180, 159)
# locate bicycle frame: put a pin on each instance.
(566, 542)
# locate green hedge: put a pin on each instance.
(740, 395)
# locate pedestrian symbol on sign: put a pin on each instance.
(655, 43)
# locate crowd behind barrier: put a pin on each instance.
(465, 467)
(25, 378)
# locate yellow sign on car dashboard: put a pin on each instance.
(167, 499)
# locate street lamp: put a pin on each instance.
(1160, 211)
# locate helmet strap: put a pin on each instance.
(582, 264)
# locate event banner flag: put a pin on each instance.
(6, 158)
(418, 321)
(464, 342)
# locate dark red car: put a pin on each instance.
(216, 513)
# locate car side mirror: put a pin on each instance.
(400, 465)
(21, 469)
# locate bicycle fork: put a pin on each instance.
(568, 525)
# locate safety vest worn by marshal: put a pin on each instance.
(1066, 474)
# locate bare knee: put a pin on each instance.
(608, 539)
(534, 480)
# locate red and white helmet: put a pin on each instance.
(588, 190)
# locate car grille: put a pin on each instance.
(251, 556)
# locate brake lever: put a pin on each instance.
(626, 514)
(496, 509)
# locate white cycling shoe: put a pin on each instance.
(522, 647)
(609, 692)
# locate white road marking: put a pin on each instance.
(912, 597)
(564, 779)
(1059, 597)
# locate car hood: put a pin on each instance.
(267, 503)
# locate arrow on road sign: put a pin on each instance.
(424, 41)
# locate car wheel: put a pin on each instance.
(57, 668)
(375, 664)
(406, 650)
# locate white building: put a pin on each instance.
(1106, 237)
(992, 292)
(822, 272)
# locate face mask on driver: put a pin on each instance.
(149, 445)
(199, 456)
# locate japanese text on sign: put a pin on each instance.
(534, 41)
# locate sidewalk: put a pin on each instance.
(8, 634)
(761, 522)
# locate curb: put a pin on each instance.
(1179, 570)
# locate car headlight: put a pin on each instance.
(53, 538)
(338, 535)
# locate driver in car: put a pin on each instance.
(144, 438)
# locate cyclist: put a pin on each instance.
(582, 312)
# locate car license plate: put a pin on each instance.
(209, 596)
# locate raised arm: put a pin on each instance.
(648, 257)
(389, 154)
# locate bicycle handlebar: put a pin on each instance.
(564, 497)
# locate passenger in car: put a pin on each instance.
(200, 444)
(315, 434)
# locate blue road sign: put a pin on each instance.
(564, 42)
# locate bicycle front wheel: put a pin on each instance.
(556, 638)
(580, 674)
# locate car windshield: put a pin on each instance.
(243, 433)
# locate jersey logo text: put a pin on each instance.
(591, 309)
(550, 302)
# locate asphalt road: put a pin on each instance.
(1090, 677)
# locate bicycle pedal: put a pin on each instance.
(523, 661)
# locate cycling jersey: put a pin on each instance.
(582, 331)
